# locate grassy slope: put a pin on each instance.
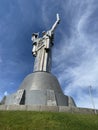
(28, 120)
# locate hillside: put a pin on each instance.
(28, 120)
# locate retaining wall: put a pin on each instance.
(47, 108)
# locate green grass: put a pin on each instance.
(28, 120)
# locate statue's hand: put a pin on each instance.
(58, 18)
(56, 23)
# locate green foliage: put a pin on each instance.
(28, 120)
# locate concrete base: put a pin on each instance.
(47, 108)
(39, 88)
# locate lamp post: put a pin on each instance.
(92, 100)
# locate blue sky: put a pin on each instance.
(75, 54)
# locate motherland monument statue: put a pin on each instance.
(42, 48)
(41, 87)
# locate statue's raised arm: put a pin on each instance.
(56, 23)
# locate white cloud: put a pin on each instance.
(78, 59)
(86, 101)
(5, 93)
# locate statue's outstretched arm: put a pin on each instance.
(56, 23)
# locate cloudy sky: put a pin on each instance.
(75, 54)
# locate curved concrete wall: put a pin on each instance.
(43, 88)
(39, 88)
(41, 81)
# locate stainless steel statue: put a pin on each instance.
(42, 48)
(40, 89)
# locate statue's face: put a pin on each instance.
(36, 36)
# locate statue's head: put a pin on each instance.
(35, 35)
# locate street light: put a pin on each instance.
(92, 99)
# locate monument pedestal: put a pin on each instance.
(40, 88)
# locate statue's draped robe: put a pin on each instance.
(43, 49)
